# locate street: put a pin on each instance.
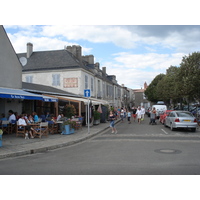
(137, 149)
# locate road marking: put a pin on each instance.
(164, 131)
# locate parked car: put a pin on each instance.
(164, 115)
(181, 119)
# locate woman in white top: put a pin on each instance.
(139, 115)
(22, 122)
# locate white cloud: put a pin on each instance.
(19, 41)
(97, 34)
(133, 70)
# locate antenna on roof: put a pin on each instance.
(23, 61)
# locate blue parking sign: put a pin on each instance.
(87, 93)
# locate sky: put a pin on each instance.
(134, 40)
(134, 53)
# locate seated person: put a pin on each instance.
(3, 118)
(29, 119)
(11, 116)
(22, 122)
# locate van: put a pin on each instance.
(160, 109)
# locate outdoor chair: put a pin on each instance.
(20, 130)
(53, 127)
(12, 126)
(5, 126)
(78, 124)
(41, 129)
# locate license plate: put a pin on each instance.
(186, 120)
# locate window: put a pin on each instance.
(92, 84)
(86, 82)
(55, 79)
(29, 79)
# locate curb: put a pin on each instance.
(52, 147)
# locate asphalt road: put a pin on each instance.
(137, 149)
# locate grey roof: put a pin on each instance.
(43, 89)
(58, 59)
(47, 60)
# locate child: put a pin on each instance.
(129, 117)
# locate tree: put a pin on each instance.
(189, 75)
(167, 88)
(151, 92)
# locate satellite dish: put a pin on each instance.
(23, 61)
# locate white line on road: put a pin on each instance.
(164, 131)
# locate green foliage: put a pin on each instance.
(179, 84)
(96, 115)
(151, 92)
(69, 110)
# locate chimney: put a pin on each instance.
(76, 50)
(104, 70)
(29, 49)
(97, 65)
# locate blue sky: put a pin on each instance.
(134, 53)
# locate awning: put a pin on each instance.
(73, 99)
(85, 100)
(49, 99)
(21, 94)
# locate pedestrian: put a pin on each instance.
(134, 113)
(112, 119)
(153, 116)
(129, 116)
(139, 115)
(122, 114)
(143, 113)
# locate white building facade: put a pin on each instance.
(68, 70)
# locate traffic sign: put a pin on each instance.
(87, 93)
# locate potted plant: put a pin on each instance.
(69, 111)
(68, 127)
(96, 117)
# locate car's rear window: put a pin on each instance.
(184, 114)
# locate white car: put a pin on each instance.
(181, 119)
(160, 109)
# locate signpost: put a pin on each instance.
(87, 94)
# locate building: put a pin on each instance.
(12, 96)
(140, 99)
(70, 71)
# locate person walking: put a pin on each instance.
(153, 116)
(134, 113)
(143, 113)
(139, 115)
(112, 119)
(129, 117)
(122, 114)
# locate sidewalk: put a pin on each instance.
(13, 146)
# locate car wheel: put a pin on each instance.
(171, 127)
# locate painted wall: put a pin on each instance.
(11, 69)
